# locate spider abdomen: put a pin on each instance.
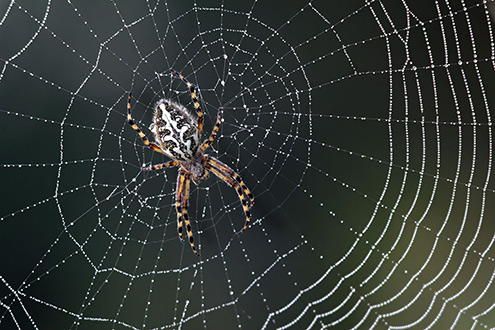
(175, 130)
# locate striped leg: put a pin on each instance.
(207, 143)
(178, 201)
(233, 183)
(221, 166)
(186, 215)
(194, 99)
(171, 163)
(136, 128)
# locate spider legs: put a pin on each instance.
(184, 179)
(185, 201)
(171, 163)
(221, 166)
(178, 201)
(181, 203)
(136, 128)
(194, 98)
(233, 179)
(216, 128)
(192, 89)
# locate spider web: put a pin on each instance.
(363, 128)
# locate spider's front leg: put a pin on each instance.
(181, 200)
(227, 175)
(178, 201)
(226, 169)
(185, 200)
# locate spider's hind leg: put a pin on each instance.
(214, 132)
(194, 98)
(136, 128)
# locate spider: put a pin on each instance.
(177, 136)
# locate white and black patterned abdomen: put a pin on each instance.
(175, 130)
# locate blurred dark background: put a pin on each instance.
(363, 129)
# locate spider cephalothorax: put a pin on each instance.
(178, 137)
